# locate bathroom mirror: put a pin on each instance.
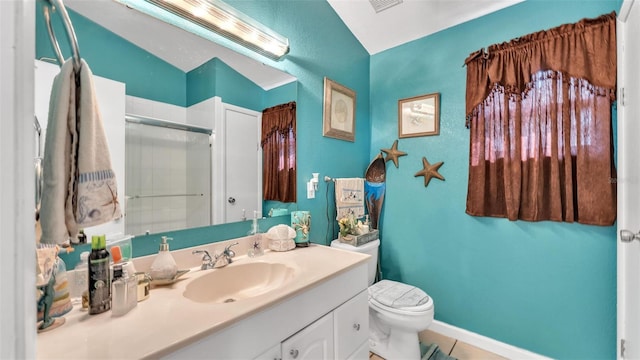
(164, 43)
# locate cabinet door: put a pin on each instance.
(313, 342)
(271, 354)
(351, 325)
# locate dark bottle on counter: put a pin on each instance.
(82, 237)
(99, 277)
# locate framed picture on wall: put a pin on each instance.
(419, 116)
(339, 118)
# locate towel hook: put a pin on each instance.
(71, 34)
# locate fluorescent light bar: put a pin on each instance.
(222, 19)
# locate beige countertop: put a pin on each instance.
(167, 321)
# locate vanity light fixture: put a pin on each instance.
(223, 20)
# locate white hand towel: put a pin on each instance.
(349, 197)
(56, 168)
(79, 188)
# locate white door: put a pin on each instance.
(243, 163)
(628, 181)
(315, 342)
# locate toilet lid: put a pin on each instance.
(396, 295)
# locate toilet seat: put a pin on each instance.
(409, 311)
(396, 297)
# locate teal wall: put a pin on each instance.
(547, 287)
(281, 95)
(215, 78)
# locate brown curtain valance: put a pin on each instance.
(580, 50)
(279, 118)
(279, 153)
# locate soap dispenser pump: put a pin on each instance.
(164, 266)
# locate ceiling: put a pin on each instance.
(407, 21)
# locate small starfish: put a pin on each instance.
(429, 171)
(393, 153)
(114, 200)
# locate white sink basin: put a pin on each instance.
(238, 282)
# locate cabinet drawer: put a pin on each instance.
(351, 325)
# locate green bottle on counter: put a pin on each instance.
(99, 277)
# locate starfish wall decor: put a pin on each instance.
(429, 171)
(393, 153)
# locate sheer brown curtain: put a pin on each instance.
(279, 153)
(539, 110)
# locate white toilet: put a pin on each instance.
(397, 311)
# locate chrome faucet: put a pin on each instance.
(210, 263)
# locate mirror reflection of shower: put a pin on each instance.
(168, 176)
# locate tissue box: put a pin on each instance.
(278, 212)
(357, 240)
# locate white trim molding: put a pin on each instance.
(17, 183)
(483, 342)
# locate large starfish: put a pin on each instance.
(393, 153)
(429, 171)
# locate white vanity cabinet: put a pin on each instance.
(329, 320)
(322, 306)
(341, 334)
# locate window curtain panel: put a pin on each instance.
(539, 113)
(279, 153)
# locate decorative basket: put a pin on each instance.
(357, 240)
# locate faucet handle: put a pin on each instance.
(206, 258)
(227, 249)
(228, 253)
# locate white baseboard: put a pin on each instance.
(483, 342)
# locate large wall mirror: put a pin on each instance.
(181, 96)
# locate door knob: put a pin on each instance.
(628, 236)
(356, 327)
(293, 353)
(231, 200)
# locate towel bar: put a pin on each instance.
(71, 34)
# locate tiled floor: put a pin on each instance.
(452, 347)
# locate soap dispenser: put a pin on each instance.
(164, 266)
(256, 241)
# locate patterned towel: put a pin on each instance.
(79, 186)
(349, 197)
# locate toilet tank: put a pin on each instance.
(370, 248)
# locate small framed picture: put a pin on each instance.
(339, 118)
(419, 116)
